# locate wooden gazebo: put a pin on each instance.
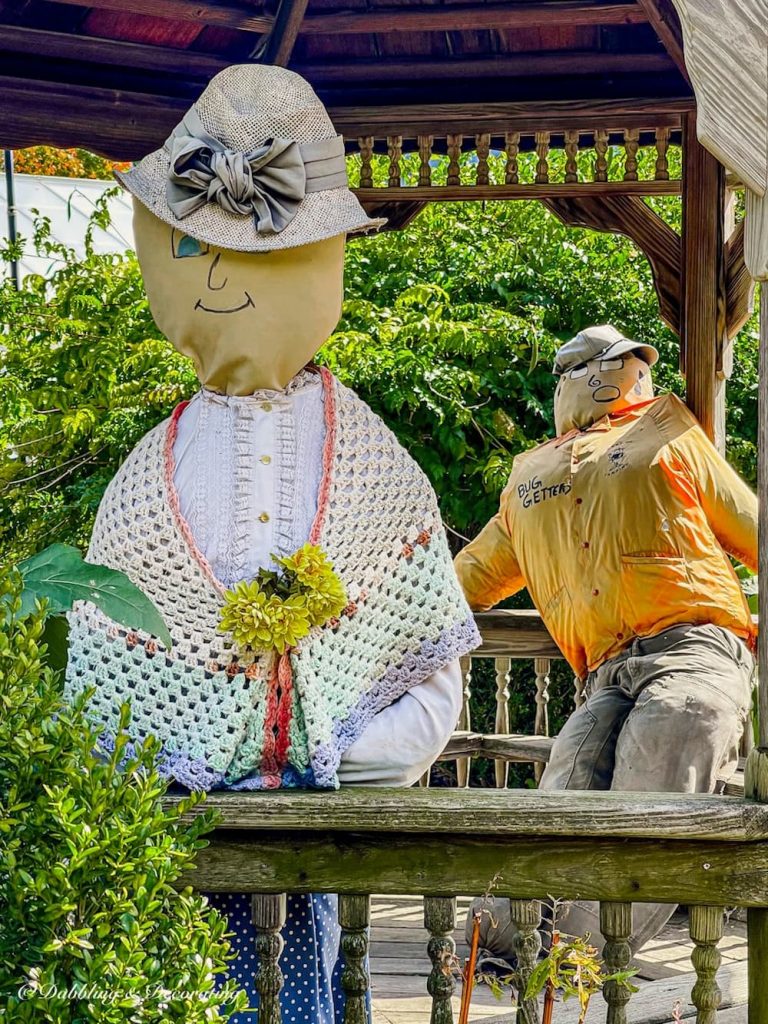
(405, 80)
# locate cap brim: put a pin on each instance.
(646, 352)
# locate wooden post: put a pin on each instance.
(706, 929)
(268, 916)
(355, 919)
(526, 943)
(440, 921)
(756, 773)
(616, 926)
(703, 334)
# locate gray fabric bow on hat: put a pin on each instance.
(269, 181)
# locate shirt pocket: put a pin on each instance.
(653, 585)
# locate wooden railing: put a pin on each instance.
(708, 852)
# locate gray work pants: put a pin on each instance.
(664, 716)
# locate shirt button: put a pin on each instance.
(266, 406)
(585, 543)
(264, 517)
(595, 592)
(579, 501)
(619, 636)
(265, 459)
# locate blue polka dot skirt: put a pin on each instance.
(311, 961)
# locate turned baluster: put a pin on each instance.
(464, 764)
(268, 917)
(662, 145)
(483, 147)
(365, 143)
(440, 922)
(571, 154)
(631, 143)
(512, 146)
(394, 152)
(453, 142)
(526, 945)
(578, 691)
(616, 926)
(502, 667)
(355, 920)
(706, 930)
(601, 151)
(541, 667)
(542, 152)
(425, 155)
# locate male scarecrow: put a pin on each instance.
(621, 528)
(292, 545)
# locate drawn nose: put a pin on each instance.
(215, 281)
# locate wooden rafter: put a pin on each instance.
(399, 215)
(663, 18)
(630, 216)
(449, 19)
(278, 45)
(739, 283)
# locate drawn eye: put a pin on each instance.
(579, 371)
(184, 245)
(611, 364)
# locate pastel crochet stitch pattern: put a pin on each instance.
(226, 719)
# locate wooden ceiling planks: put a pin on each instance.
(134, 28)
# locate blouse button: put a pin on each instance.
(265, 459)
(266, 406)
(264, 517)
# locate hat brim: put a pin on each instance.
(319, 215)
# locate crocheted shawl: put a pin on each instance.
(228, 719)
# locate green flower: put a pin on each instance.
(307, 565)
(263, 622)
(314, 577)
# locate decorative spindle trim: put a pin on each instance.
(454, 152)
(601, 150)
(483, 147)
(464, 764)
(512, 146)
(541, 667)
(616, 926)
(365, 144)
(503, 667)
(355, 920)
(706, 930)
(395, 153)
(571, 154)
(631, 143)
(542, 152)
(440, 922)
(268, 916)
(425, 155)
(662, 145)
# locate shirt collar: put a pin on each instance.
(606, 422)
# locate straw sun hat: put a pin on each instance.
(254, 165)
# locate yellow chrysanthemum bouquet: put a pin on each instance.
(276, 609)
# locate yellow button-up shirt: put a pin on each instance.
(619, 530)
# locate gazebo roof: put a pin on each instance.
(114, 76)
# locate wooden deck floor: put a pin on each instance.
(400, 966)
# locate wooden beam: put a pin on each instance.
(89, 49)
(219, 12)
(399, 215)
(278, 46)
(520, 65)
(739, 284)
(704, 302)
(470, 118)
(630, 216)
(663, 18)
(456, 193)
(473, 18)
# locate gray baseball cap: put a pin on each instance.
(602, 341)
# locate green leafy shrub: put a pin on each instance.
(92, 930)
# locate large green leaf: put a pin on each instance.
(59, 574)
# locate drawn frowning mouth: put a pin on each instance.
(232, 309)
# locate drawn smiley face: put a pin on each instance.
(215, 274)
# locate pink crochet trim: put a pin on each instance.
(329, 451)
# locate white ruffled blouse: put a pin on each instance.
(247, 472)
